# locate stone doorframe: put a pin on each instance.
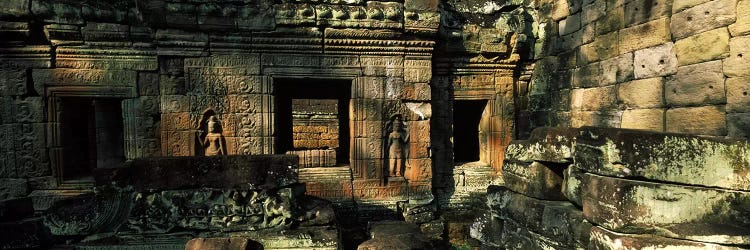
(55, 145)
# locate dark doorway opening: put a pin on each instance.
(92, 136)
(313, 114)
(466, 117)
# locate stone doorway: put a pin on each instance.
(313, 120)
(469, 136)
(91, 132)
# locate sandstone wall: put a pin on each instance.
(600, 188)
(665, 65)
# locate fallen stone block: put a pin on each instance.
(516, 236)
(487, 229)
(544, 144)
(538, 180)
(669, 210)
(557, 220)
(573, 184)
(676, 158)
(604, 239)
(395, 235)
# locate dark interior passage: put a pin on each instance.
(92, 136)
(466, 117)
(293, 94)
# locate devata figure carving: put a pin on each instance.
(397, 143)
(210, 140)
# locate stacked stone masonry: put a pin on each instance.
(604, 188)
(664, 65)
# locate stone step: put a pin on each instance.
(670, 210)
(538, 180)
(685, 159)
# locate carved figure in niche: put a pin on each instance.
(210, 140)
(397, 147)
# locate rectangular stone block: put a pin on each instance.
(593, 12)
(644, 119)
(662, 157)
(95, 77)
(569, 24)
(644, 93)
(738, 125)
(738, 62)
(742, 26)
(591, 99)
(603, 47)
(706, 120)
(537, 180)
(560, 10)
(587, 76)
(676, 211)
(680, 5)
(738, 98)
(568, 42)
(645, 35)
(612, 21)
(557, 220)
(605, 239)
(544, 144)
(617, 69)
(655, 61)
(607, 118)
(697, 84)
(703, 17)
(706, 46)
(641, 11)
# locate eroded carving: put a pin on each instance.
(397, 147)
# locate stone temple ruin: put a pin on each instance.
(374, 124)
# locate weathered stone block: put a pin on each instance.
(675, 158)
(738, 62)
(703, 17)
(603, 47)
(641, 11)
(612, 21)
(617, 69)
(30, 109)
(738, 94)
(421, 5)
(606, 118)
(742, 25)
(680, 5)
(545, 144)
(573, 184)
(599, 98)
(587, 76)
(645, 119)
(556, 220)
(246, 171)
(696, 84)
(706, 120)
(516, 237)
(593, 12)
(645, 35)
(676, 211)
(706, 46)
(738, 125)
(568, 42)
(604, 239)
(12, 82)
(538, 180)
(222, 244)
(655, 61)
(560, 10)
(644, 93)
(570, 24)
(488, 229)
(395, 235)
